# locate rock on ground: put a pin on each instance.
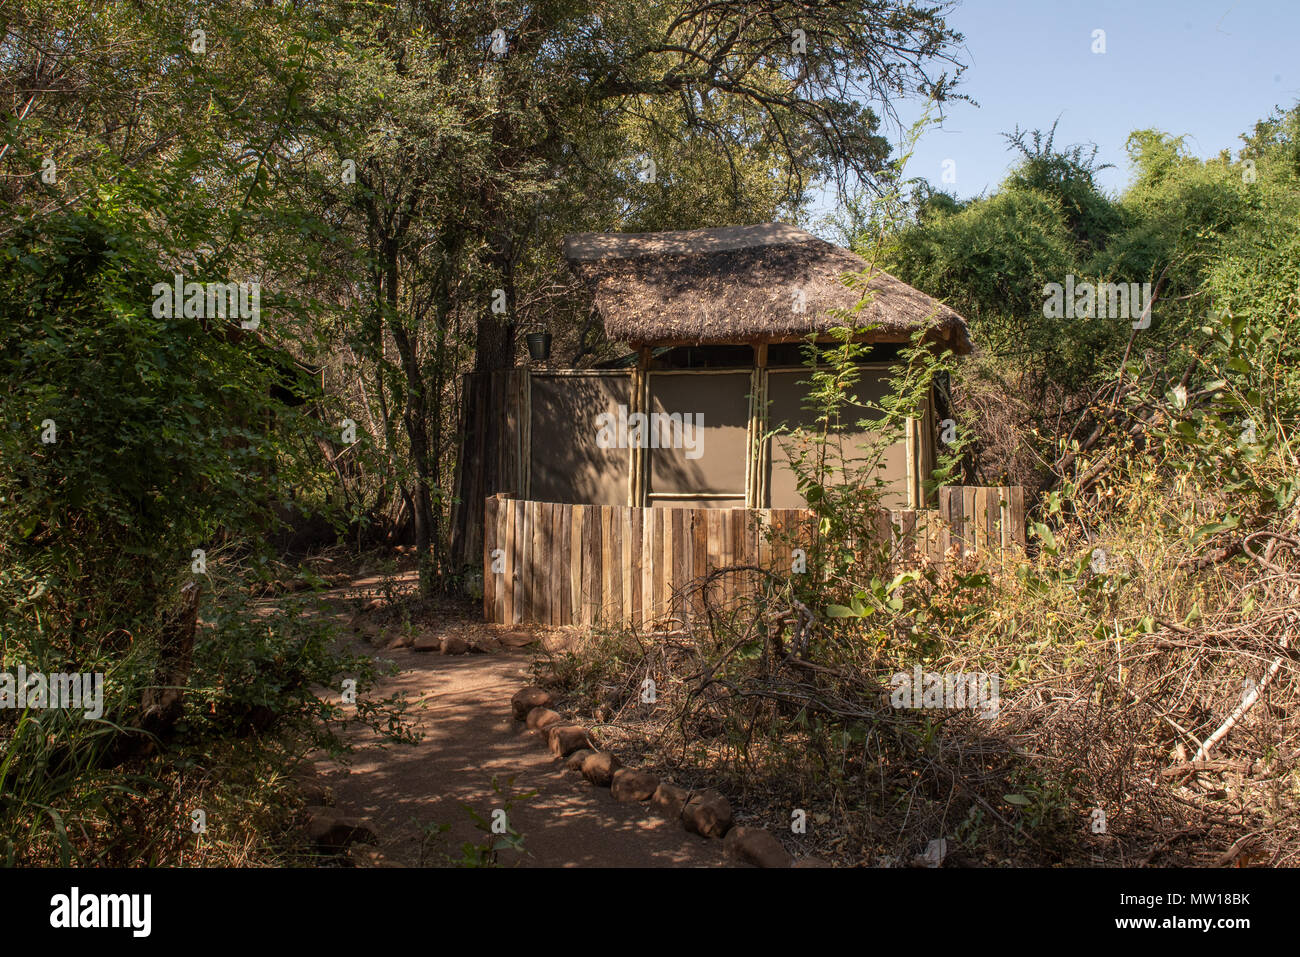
(600, 767)
(669, 799)
(707, 813)
(753, 845)
(526, 699)
(632, 785)
(564, 739)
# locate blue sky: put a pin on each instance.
(1204, 69)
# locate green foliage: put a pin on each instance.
(157, 422)
(1069, 178)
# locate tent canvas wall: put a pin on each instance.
(703, 311)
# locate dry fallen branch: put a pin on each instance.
(1247, 703)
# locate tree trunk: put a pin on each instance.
(415, 418)
(495, 340)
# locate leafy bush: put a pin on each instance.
(164, 438)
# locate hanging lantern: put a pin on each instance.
(539, 345)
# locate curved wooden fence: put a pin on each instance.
(587, 565)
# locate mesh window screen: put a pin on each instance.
(716, 463)
(568, 465)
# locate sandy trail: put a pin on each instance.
(462, 705)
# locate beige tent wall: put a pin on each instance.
(785, 405)
(565, 463)
(717, 477)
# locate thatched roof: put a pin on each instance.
(740, 284)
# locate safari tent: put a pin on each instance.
(713, 321)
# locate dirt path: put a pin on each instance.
(462, 705)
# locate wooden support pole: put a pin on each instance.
(755, 494)
(637, 464)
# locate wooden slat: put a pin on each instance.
(666, 556)
(1004, 520)
(659, 576)
(779, 557)
(998, 529)
(981, 515)
(537, 561)
(647, 566)
(956, 541)
(1017, 496)
(614, 594)
(559, 582)
(966, 508)
(729, 556)
(526, 562)
(489, 543)
(681, 549)
(576, 523)
(805, 524)
(687, 553)
(713, 551)
(738, 516)
(636, 571)
(699, 552)
(934, 537)
(625, 558)
(908, 553)
(988, 519)
(541, 554)
(885, 531)
(512, 564)
(500, 581)
(541, 549)
(555, 570)
(753, 533)
(581, 613)
(591, 567)
(947, 496)
(664, 560)
(537, 597)
(992, 518)
(688, 562)
(606, 563)
(560, 571)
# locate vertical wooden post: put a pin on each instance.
(909, 430)
(637, 458)
(755, 493)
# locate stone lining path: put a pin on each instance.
(462, 704)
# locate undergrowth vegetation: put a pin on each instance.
(122, 559)
(1143, 643)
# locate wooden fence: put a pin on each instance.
(607, 564)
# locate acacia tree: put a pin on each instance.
(480, 133)
(792, 88)
(484, 131)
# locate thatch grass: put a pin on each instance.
(742, 284)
